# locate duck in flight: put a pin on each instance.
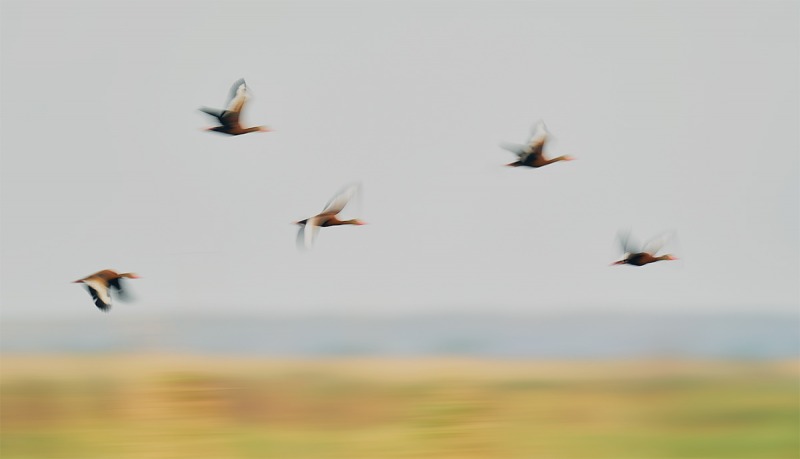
(532, 154)
(229, 118)
(640, 255)
(328, 217)
(99, 283)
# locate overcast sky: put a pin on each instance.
(682, 116)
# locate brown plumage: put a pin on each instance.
(229, 118)
(532, 154)
(98, 284)
(638, 255)
(328, 217)
(642, 258)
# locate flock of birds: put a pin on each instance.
(100, 284)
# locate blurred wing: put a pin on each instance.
(122, 294)
(654, 245)
(213, 112)
(300, 240)
(307, 234)
(224, 117)
(99, 294)
(538, 136)
(340, 200)
(237, 97)
(517, 149)
(628, 243)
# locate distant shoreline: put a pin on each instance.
(570, 337)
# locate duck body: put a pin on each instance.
(234, 128)
(537, 160)
(324, 220)
(642, 258)
(637, 254)
(100, 283)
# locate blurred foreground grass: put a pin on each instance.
(140, 406)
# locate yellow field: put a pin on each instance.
(147, 406)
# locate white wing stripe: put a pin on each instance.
(102, 290)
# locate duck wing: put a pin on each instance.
(628, 243)
(224, 117)
(307, 233)
(535, 147)
(237, 97)
(539, 134)
(657, 242)
(340, 199)
(116, 284)
(516, 148)
(99, 292)
(213, 112)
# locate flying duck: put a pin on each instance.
(98, 286)
(532, 154)
(328, 217)
(640, 255)
(229, 118)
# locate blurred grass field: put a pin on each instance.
(154, 406)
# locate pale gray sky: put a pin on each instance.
(682, 115)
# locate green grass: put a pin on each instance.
(140, 407)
